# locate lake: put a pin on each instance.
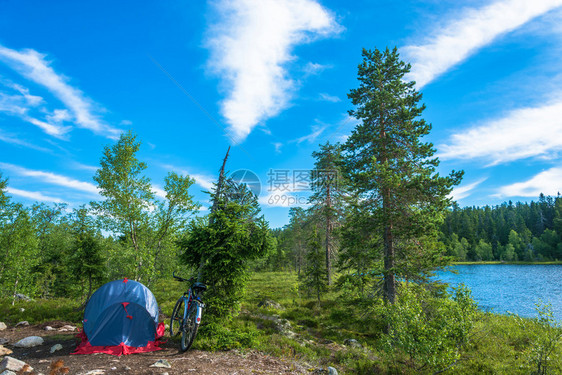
(505, 288)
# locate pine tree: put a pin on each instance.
(394, 171)
(327, 184)
(315, 276)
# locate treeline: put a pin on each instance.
(51, 251)
(509, 232)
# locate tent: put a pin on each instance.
(121, 317)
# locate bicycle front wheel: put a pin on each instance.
(177, 317)
(190, 329)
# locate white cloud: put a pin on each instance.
(277, 146)
(463, 191)
(17, 140)
(49, 128)
(460, 38)
(205, 181)
(52, 178)
(316, 132)
(548, 182)
(314, 68)
(35, 195)
(20, 104)
(329, 98)
(522, 133)
(159, 191)
(250, 46)
(32, 65)
(84, 167)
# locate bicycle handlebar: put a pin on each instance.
(190, 280)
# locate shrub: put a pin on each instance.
(426, 333)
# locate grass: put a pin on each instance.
(40, 311)
(499, 343)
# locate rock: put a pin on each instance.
(94, 372)
(3, 341)
(67, 328)
(332, 371)
(270, 304)
(127, 368)
(29, 342)
(49, 328)
(23, 323)
(353, 343)
(3, 326)
(12, 364)
(161, 363)
(7, 372)
(55, 347)
(22, 309)
(4, 351)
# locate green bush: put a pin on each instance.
(544, 333)
(425, 333)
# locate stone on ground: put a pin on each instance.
(55, 347)
(13, 364)
(29, 342)
(3, 326)
(23, 323)
(161, 363)
(4, 351)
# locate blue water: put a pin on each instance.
(503, 288)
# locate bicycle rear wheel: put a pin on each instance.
(177, 316)
(190, 329)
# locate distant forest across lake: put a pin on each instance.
(509, 232)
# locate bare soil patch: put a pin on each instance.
(190, 362)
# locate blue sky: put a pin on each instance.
(271, 78)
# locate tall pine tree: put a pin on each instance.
(393, 170)
(327, 184)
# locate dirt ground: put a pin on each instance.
(190, 362)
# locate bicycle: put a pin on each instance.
(187, 313)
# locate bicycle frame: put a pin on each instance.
(188, 300)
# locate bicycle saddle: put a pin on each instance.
(200, 287)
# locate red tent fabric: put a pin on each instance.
(86, 348)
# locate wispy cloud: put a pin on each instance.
(251, 44)
(35, 195)
(465, 190)
(329, 98)
(460, 38)
(548, 182)
(312, 69)
(19, 102)
(277, 146)
(52, 178)
(17, 140)
(33, 66)
(316, 132)
(205, 181)
(522, 133)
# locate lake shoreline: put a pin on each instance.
(554, 262)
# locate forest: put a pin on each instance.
(379, 223)
(509, 232)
